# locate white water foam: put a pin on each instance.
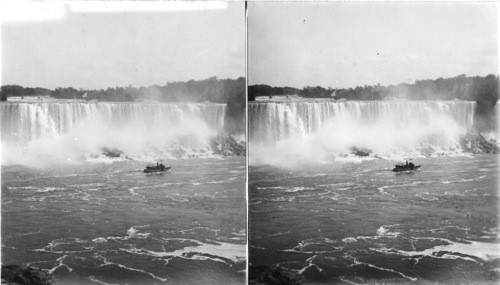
(356, 262)
(450, 249)
(49, 189)
(60, 260)
(310, 264)
(106, 262)
(481, 250)
(201, 251)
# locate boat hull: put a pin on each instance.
(400, 169)
(153, 170)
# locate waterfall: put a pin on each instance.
(69, 130)
(316, 130)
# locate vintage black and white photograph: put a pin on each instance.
(123, 142)
(373, 143)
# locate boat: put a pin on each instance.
(157, 168)
(405, 167)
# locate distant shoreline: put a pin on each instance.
(34, 99)
(461, 87)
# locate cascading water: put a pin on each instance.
(39, 132)
(318, 131)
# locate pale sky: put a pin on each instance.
(86, 49)
(343, 45)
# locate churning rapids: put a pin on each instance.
(333, 217)
(360, 223)
(92, 219)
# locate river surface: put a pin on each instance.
(361, 223)
(110, 223)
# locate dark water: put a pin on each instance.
(359, 223)
(110, 223)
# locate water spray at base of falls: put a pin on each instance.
(56, 132)
(301, 132)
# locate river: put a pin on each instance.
(361, 223)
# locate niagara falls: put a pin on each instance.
(85, 160)
(325, 204)
(373, 143)
(59, 131)
(291, 132)
(123, 148)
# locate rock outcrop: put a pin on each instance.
(274, 276)
(111, 152)
(476, 143)
(22, 274)
(226, 145)
(360, 151)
